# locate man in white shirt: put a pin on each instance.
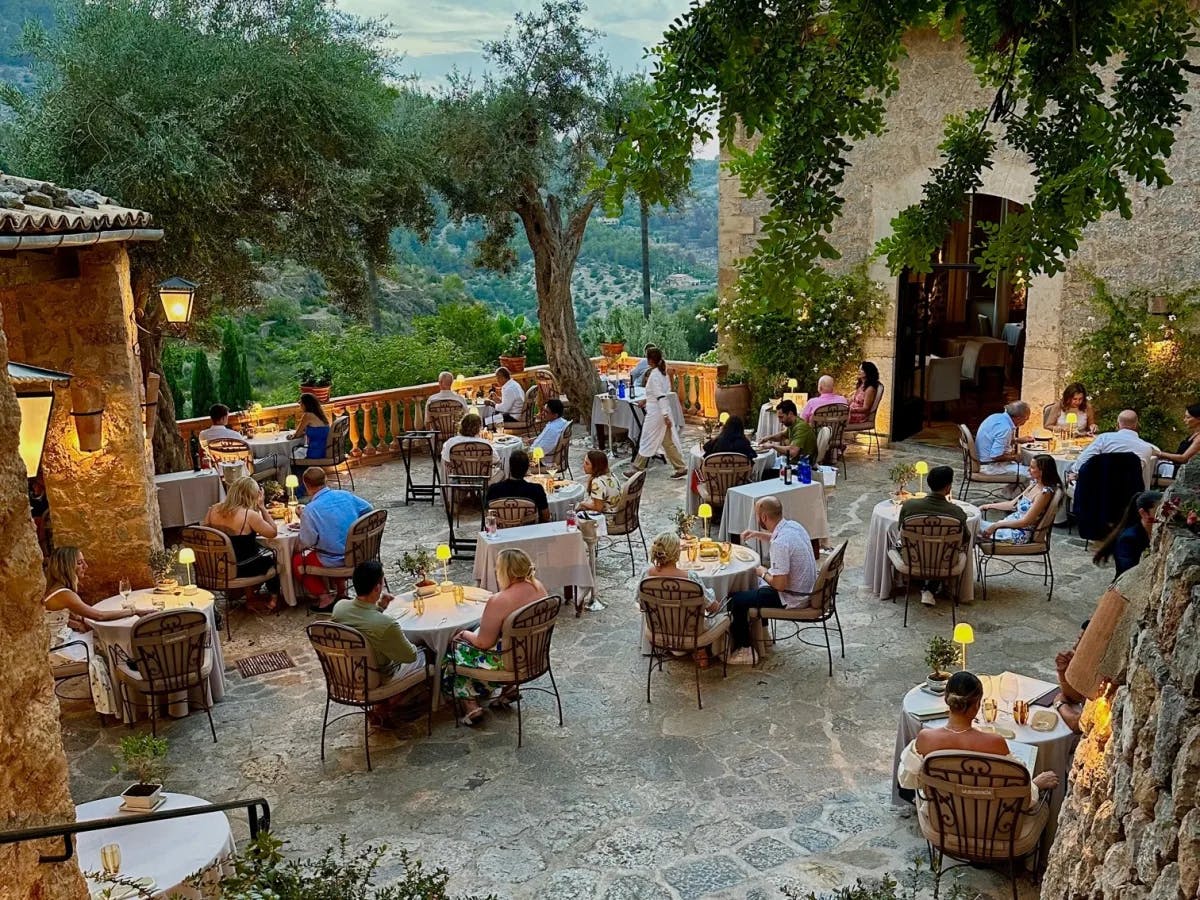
(219, 429)
(510, 406)
(996, 441)
(445, 382)
(1124, 440)
(638, 373)
(554, 427)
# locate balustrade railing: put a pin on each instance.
(378, 418)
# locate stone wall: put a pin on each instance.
(33, 768)
(1160, 246)
(77, 317)
(1130, 828)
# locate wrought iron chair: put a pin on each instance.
(868, 427)
(216, 567)
(824, 436)
(233, 450)
(443, 417)
(470, 461)
(930, 548)
(64, 668)
(454, 495)
(834, 417)
(353, 677)
(975, 808)
(674, 623)
(512, 512)
(720, 472)
(627, 518)
(822, 600)
(336, 458)
(362, 545)
(973, 471)
(170, 655)
(527, 425)
(989, 551)
(524, 654)
(560, 458)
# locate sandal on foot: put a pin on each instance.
(471, 717)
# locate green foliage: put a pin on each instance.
(513, 334)
(901, 473)
(416, 563)
(941, 654)
(144, 757)
(363, 361)
(626, 323)
(233, 379)
(173, 359)
(886, 888)
(1130, 359)
(204, 392)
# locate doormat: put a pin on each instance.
(262, 663)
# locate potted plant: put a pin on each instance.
(273, 492)
(733, 394)
(684, 522)
(162, 566)
(316, 380)
(612, 346)
(940, 655)
(900, 474)
(144, 757)
(513, 336)
(417, 564)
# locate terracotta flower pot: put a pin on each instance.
(612, 348)
(321, 393)
(514, 364)
(735, 400)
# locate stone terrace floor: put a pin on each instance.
(783, 779)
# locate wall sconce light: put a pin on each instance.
(177, 295)
(35, 397)
(87, 409)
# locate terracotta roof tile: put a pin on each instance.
(28, 206)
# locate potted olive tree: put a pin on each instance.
(940, 656)
(417, 564)
(162, 566)
(144, 757)
(900, 474)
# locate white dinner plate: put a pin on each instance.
(745, 554)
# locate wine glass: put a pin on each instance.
(110, 859)
(990, 710)
(1008, 689)
(124, 588)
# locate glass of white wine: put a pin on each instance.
(110, 859)
(124, 589)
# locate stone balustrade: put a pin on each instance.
(378, 418)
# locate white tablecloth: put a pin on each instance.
(119, 632)
(564, 499)
(168, 851)
(276, 443)
(559, 555)
(184, 497)
(884, 532)
(766, 460)
(738, 575)
(803, 503)
(1054, 748)
(442, 619)
(505, 447)
(285, 544)
(623, 417)
(768, 422)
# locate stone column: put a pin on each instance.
(103, 502)
(33, 769)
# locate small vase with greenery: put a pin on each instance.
(273, 491)
(900, 474)
(683, 522)
(939, 657)
(417, 564)
(162, 566)
(143, 757)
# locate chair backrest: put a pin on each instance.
(829, 574)
(627, 517)
(346, 659)
(674, 610)
(525, 638)
(472, 458)
(532, 398)
(1046, 411)
(722, 471)
(339, 436)
(560, 457)
(943, 379)
(226, 450)
(1045, 525)
(992, 355)
(511, 512)
(824, 436)
(1105, 485)
(547, 384)
(364, 537)
(976, 801)
(216, 563)
(834, 417)
(931, 545)
(168, 648)
(875, 406)
(443, 417)
(966, 443)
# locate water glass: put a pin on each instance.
(492, 524)
(991, 709)
(124, 589)
(110, 859)
(726, 552)
(460, 595)
(693, 549)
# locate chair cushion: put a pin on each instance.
(1003, 548)
(784, 614)
(67, 669)
(393, 686)
(251, 580)
(1030, 832)
(326, 572)
(984, 477)
(124, 673)
(309, 461)
(705, 639)
(896, 557)
(496, 676)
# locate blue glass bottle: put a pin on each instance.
(621, 389)
(804, 470)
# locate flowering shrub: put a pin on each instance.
(805, 336)
(1180, 511)
(1128, 358)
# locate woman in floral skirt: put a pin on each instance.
(477, 649)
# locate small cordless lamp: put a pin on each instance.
(705, 512)
(1072, 422)
(538, 455)
(187, 556)
(792, 384)
(291, 483)
(922, 468)
(964, 634)
(723, 418)
(443, 554)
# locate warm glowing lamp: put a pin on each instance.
(177, 295)
(443, 554)
(723, 418)
(538, 455)
(291, 483)
(964, 634)
(187, 556)
(922, 468)
(35, 398)
(1072, 422)
(792, 384)
(705, 512)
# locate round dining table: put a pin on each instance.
(505, 446)
(277, 443)
(739, 574)
(285, 544)
(169, 853)
(441, 620)
(884, 532)
(766, 459)
(566, 498)
(1064, 460)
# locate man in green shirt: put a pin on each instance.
(935, 503)
(796, 440)
(394, 655)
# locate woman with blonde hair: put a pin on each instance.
(664, 563)
(477, 649)
(243, 516)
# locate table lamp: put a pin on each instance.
(291, 482)
(443, 554)
(538, 454)
(922, 468)
(964, 634)
(705, 512)
(723, 418)
(1072, 423)
(792, 384)
(187, 556)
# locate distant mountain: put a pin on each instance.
(13, 15)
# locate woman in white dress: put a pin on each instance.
(658, 431)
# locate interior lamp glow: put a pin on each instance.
(705, 512)
(187, 556)
(922, 468)
(443, 554)
(964, 634)
(177, 295)
(35, 421)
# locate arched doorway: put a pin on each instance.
(952, 313)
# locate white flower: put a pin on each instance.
(1171, 318)
(1132, 335)
(1091, 318)
(1108, 365)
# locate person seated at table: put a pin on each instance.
(324, 524)
(515, 485)
(1124, 440)
(664, 563)
(218, 413)
(996, 442)
(445, 382)
(866, 389)
(1068, 701)
(796, 440)
(602, 487)
(787, 582)
(827, 395)
(468, 433)
(1188, 447)
(313, 427)
(555, 425)
(395, 657)
(1130, 538)
(477, 649)
(731, 439)
(964, 696)
(1074, 400)
(1028, 507)
(509, 404)
(935, 503)
(243, 516)
(639, 372)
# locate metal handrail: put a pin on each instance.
(258, 821)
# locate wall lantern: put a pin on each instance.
(177, 295)
(35, 396)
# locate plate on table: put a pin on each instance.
(1043, 720)
(744, 554)
(508, 439)
(1006, 733)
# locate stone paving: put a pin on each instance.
(782, 780)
